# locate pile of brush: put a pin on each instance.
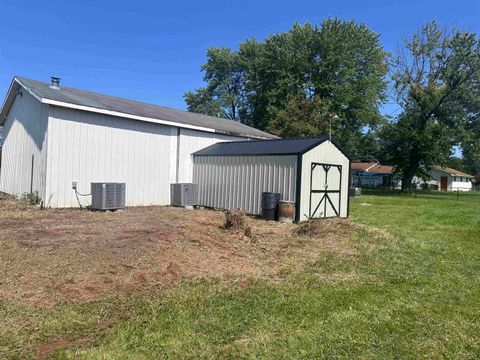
(235, 220)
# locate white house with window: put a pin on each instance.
(447, 179)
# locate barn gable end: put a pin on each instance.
(24, 150)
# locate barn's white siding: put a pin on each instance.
(327, 153)
(25, 136)
(238, 181)
(192, 141)
(89, 147)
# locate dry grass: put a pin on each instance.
(56, 256)
(398, 285)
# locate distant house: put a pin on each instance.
(372, 175)
(446, 179)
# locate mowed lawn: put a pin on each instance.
(410, 290)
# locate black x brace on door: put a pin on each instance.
(332, 173)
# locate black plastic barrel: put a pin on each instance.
(270, 205)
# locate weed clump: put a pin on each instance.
(234, 220)
(23, 202)
(306, 229)
(30, 199)
(248, 232)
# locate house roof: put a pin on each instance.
(362, 166)
(373, 168)
(295, 146)
(451, 171)
(93, 102)
(382, 169)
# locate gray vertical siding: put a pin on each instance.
(229, 182)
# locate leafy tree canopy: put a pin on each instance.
(338, 68)
(435, 80)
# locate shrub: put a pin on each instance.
(30, 199)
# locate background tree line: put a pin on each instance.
(293, 83)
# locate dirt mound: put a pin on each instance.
(325, 227)
(53, 256)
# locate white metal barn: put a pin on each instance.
(55, 135)
(312, 172)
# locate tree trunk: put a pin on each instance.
(407, 182)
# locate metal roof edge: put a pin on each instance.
(147, 119)
(324, 138)
(5, 109)
(124, 115)
(4, 112)
(321, 140)
(272, 154)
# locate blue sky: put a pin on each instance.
(152, 51)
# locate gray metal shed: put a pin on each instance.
(312, 172)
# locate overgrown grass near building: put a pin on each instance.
(412, 292)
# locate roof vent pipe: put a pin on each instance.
(55, 82)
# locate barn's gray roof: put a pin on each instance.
(295, 146)
(105, 102)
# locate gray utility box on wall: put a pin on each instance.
(184, 194)
(108, 196)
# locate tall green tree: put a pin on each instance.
(223, 95)
(202, 101)
(311, 118)
(341, 62)
(470, 142)
(433, 79)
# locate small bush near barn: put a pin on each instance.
(30, 199)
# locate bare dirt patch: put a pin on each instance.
(53, 256)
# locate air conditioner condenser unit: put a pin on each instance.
(108, 196)
(184, 194)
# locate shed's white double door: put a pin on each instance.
(325, 190)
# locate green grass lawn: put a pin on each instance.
(412, 290)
